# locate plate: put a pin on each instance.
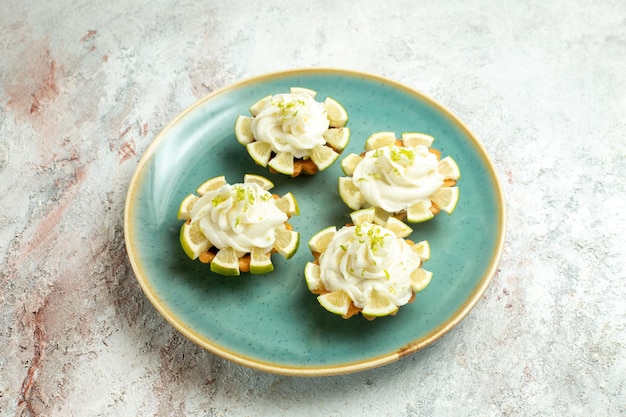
(271, 322)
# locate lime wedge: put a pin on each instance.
(283, 163)
(260, 152)
(446, 198)
(193, 240)
(337, 302)
(415, 139)
(449, 169)
(258, 106)
(323, 156)
(338, 138)
(312, 277)
(260, 180)
(378, 305)
(211, 185)
(185, 207)
(420, 278)
(419, 212)
(337, 115)
(350, 194)
(260, 262)
(225, 262)
(361, 216)
(319, 242)
(302, 90)
(287, 242)
(349, 163)
(288, 205)
(380, 139)
(398, 227)
(422, 249)
(243, 132)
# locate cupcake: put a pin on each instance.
(236, 228)
(365, 267)
(403, 178)
(294, 134)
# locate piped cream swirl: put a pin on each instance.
(241, 216)
(361, 259)
(293, 123)
(394, 177)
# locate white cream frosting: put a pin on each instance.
(394, 178)
(360, 259)
(241, 216)
(293, 123)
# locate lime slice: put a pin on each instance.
(422, 249)
(337, 302)
(449, 169)
(260, 180)
(337, 115)
(260, 152)
(319, 242)
(283, 163)
(225, 262)
(380, 139)
(378, 305)
(323, 156)
(415, 139)
(312, 277)
(381, 216)
(365, 215)
(211, 185)
(302, 90)
(288, 205)
(420, 278)
(338, 138)
(350, 194)
(419, 212)
(287, 242)
(185, 207)
(193, 240)
(258, 106)
(243, 132)
(446, 198)
(398, 227)
(260, 262)
(349, 163)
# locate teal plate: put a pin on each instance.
(271, 322)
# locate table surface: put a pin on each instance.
(86, 86)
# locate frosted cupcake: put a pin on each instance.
(366, 267)
(294, 134)
(403, 178)
(235, 228)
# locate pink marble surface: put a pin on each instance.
(85, 87)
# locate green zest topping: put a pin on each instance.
(376, 239)
(241, 194)
(398, 153)
(217, 200)
(289, 109)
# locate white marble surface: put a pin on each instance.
(85, 86)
